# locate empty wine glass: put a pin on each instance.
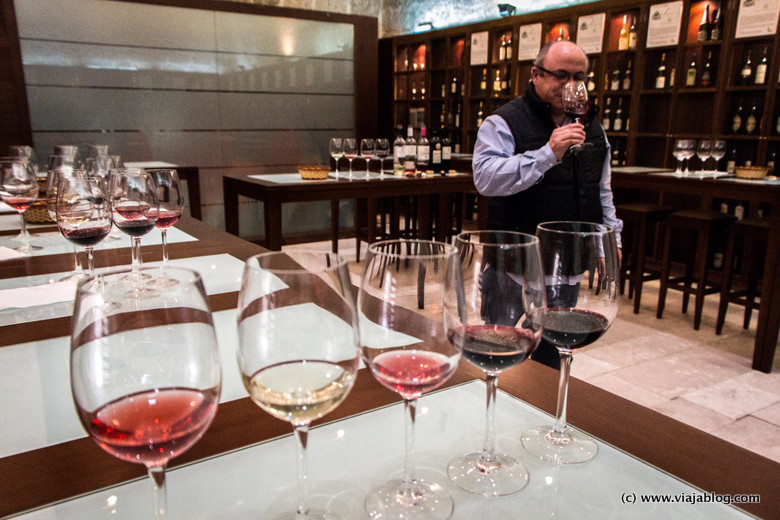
(83, 213)
(382, 151)
(294, 373)
(576, 105)
(680, 152)
(25, 152)
(402, 279)
(19, 189)
(134, 210)
(336, 149)
(145, 374)
(704, 150)
(367, 148)
(718, 151)
(170, 203)
(494, 316)
(690, 151)
(350, 151)
(581, 272)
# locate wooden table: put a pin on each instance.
(273, 190)
(754, 192)
(64, 470)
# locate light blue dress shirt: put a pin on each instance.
(499, 172)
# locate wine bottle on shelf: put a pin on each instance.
(738, 119)
(410, 153)
(606, 121)
(423, 153)
(731, 162)
(706, 73)
(505, 83)
(399, 152)
(716, 30)
(623, 38)
(751, 123)
(457, 115)
(617, 125)
(632, 34)
(660, 76)
(591, 79)
(435, 152)
(614, 83)
(693, 70)
(671, 77)
(454, 85)
(615, 159)
(446, 152)
(483, 81)
(443, 90)
(560, 34)
(502, 49)
(509, 46)
(747, 69)
(704, 24)
(497, 84)
(628, 77)
(760, 77)
(480, 114)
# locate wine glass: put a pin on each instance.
(53, 177)
(19, 189)
(134, 210)
(83, 213)
(581, 270)
(336, 149)
(69, 150)
(690, 151)
(680, 152)
(382, 151)
(367, 148)
(145, 374)
(25, 152)
(400, 279)
(704, 150)
(494, 317)
(294, 373)
(576, 105)
(350, 151)
(718, 151)
(170, 203)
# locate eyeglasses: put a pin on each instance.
(564, 75)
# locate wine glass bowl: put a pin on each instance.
(718, 151)
(704, 151)
(575, 105)
(581, 270)
(494, 316)
(683, 149)
(405, 281)
(298, 373)
(19, 189)
(145, 374)
(83, 213)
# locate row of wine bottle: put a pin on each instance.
(418, 157)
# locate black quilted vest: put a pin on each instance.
(569, 190)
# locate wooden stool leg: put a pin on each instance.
(665, 264)
(700, 272)
(639, 266)
(725, 287)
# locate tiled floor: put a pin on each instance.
(696, 377)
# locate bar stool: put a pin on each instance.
(643, 220)
(707, 226)
(753, 233)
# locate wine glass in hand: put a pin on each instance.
(494, 317)
(576, 105)
(170, 203)
(581, 269)
(350, 151)
(298, 374)
(382, 151)
(19, 189)
(83, 212)
(367, 147)
(336, 149)
(144, 374)
(405, 281)
(134, 210)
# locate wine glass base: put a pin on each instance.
(567, 447)
(27, 249)
(505, 476)
(162, 282)
(418, 500)
(313, 514)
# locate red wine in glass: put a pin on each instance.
(87, 237)
(576, 105)
(573, 328)
(411, 373)
(494, 347)
(167, 218)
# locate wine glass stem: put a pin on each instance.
(77, 269)
(136, 256)
(159, 499)
(301, 437)
(410, 407)
(90, 261)
(164, 233)
(350, 167)
(489, 449)
(24, 235)
(563, 390)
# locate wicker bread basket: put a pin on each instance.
(37, 213)
(313, 172)
(751, 172)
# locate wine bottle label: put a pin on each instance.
(627, 83)
(750, 124)
(615, 84)
(731, 165)
(690, 79)
(502, 54)
(509, 51)
(436, 159)
(632, 40)
(446, 153)
(618, 126)
(605, 122)
(736, 124)
(760, 74)
(423, 154)
(660, 82)
(745, 73)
